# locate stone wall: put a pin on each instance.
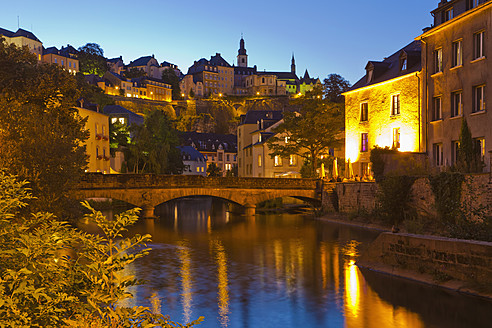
(441, 258)
(356, 196)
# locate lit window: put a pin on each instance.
(395, 104)
(437, 110)
(438, 154)
(259, 160)
(287, 139)
(277, 160)
(292, 160)
(478, 42)
(456, 104)
(480, 147)
(113, 120)
(198, 169)
(404, 63)
(396, 138)
(364, 142)
(457, 53)
(364, 111)
(479, 98)
(438, 60)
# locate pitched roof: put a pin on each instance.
(209, 141)
(114, 110)
(389, 68)
(217, 60)
(6, 33)
(194, 155)
(115, 60)
(26, 34)
(142, 61)
(285, 75)
(50, 50)
(253, 116)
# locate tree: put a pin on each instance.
(310, 132)
(41, 134)
(134, 73)
(92, 93)
(169, 77)
(91, 59)
(119, 136)
(213, 170)
(53, 275)
(192, 93)
(153, 146)
(334, 85)
(469, 157)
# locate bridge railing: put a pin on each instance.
(132, 181)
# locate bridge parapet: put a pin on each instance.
(133, 181)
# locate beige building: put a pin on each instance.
(23, 38)
(384, 109)
(143, 87)
(264, 84)
(215, 75)
(53, 56)
(456, 68)
(188, 83)
(97, 146)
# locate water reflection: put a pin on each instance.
(279, 271)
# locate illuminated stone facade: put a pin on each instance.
(383, 109)
(23, 38)
(97, 145)
(456, 67)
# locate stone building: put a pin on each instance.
(456, 78)
(62, 58)
(23, 38)
(384, 109)
(194, 162)
(216, 76)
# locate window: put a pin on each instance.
(403, 63)
(395, 104)
(364, 112)
(438, 60)
(438, 154)
(277, 160)
(292, 160)
(259, 160)
(369, 75)
(198, 170)
(228, 158)
(396, 138)
(456, 104)
(448, 15)
(455, 150)
(228, 167)
(478, 43)
(480, 147)
(478, 98)
(364, 144)
(471, 4)
(457, 53)
(287, 139)
(221, 157)
(436, 110)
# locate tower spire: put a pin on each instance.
(293, 64)
(242, 57)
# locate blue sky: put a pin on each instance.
(326, 36)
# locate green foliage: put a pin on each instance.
(169, 77)
(40, 131)
(311, 131)
(393, 198)
(377, 161)
(447, 188)
(213, 170)
(469, 159)
(119, 136)
(133, 73)
(334, 85)
(153, 146)
(92, 93)
(192, 94)
(53, 275)
(91, 59)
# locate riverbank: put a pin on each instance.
(463, 266)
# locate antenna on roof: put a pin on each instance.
(18, 22)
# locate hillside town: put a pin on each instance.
(132, 187)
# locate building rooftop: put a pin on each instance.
(255, 116)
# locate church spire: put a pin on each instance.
(293, 65)
(242, 57)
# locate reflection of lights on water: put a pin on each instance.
(156, 303)
(324, 260)
(227, 217)
(186, 279)
(175, 217)
(223, 282)
(352, 291)
(209, 225)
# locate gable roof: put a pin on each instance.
(217, 60)
(142, 61)
(253, 116)
(192, 153)
(389, 68)
(21, 32)
(6, 33)
(205, 141)
(114, 110)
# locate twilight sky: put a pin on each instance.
(326, 36)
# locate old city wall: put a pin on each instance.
(361, 196)
(438, 257)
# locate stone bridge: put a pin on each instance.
(149, 190)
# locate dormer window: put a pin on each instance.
(403, 63)
(447, 14)
(370, 75)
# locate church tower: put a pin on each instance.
(242, 58)
(293, 65)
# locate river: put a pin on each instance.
(280, 270)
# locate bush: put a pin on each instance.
(53, 275)
(393, 198)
